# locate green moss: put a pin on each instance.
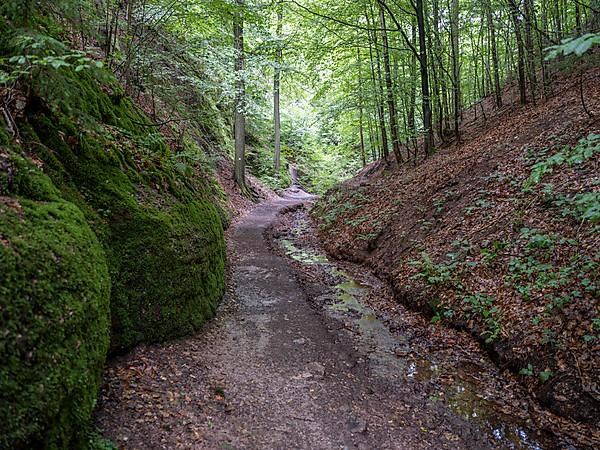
(54, 300)
(167, 272)
(161, 232)
(106, 213)
(4, 137)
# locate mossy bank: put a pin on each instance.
(102, 239)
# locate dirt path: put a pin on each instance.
(290, 363)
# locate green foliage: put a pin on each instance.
(164, 244)
(527, 371)
(577, 46)
(55, 289)
(97, 442)
(260, 163)
(35, 52)
(534, 275)
(483, 305)
(583, 151)
(583, 206)
(337, 203)
(441, 274)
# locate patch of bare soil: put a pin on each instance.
(464, 239)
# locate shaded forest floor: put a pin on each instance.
(496, 236)
(300, 356)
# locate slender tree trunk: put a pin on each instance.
(240, 97)
(277, 90)
(558, 20)
(531, 66)
(437, 69)
(494, 50)
(454, 19)
(380, 102)
(594, 20)
(375, 96)
(426, 100)
(391, 102)
(361, 110)
(412, 99)
(516, 19)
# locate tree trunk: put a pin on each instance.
(531, 66)
(240, 97)
(390, 88)
(558, 20)
(412, 94)
(516, 19)
(454, 19)
(426, 100)
(594, 20)
(494, 50)
(380, 100)
(276, 91)
(361, 110)
(437, 70)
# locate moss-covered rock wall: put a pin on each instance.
(54, 310)
(93, 213)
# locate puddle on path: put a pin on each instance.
(391, 356)
(303, 256)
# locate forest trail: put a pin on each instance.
(275, 370)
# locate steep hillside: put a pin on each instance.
(497, 236)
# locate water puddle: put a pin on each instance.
(390, 356)
(463, 400)
(303, 256)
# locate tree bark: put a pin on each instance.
(240, 97)
(426, 100)
(437, 69)
(531, 66)
(380, 100)
(391, 102)
(361, 110)
(516, 19)
(494, 51)
(454, 19)
(277, 90)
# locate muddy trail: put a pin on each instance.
(301, 356)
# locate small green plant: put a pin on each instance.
(479, 204)
(435, 274)
(545, 375)
(38, 52)
(483, 305)
(491, 252)
(356, 222)
(592, 338)
(573, 46)
(440, 312)
(366, 236)
(527, 371)
(585, 149)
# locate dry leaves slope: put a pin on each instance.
(463, 237)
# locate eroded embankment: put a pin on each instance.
(442, 365)
(498, 237)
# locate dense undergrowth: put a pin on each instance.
(498, 237)
(96, 212)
